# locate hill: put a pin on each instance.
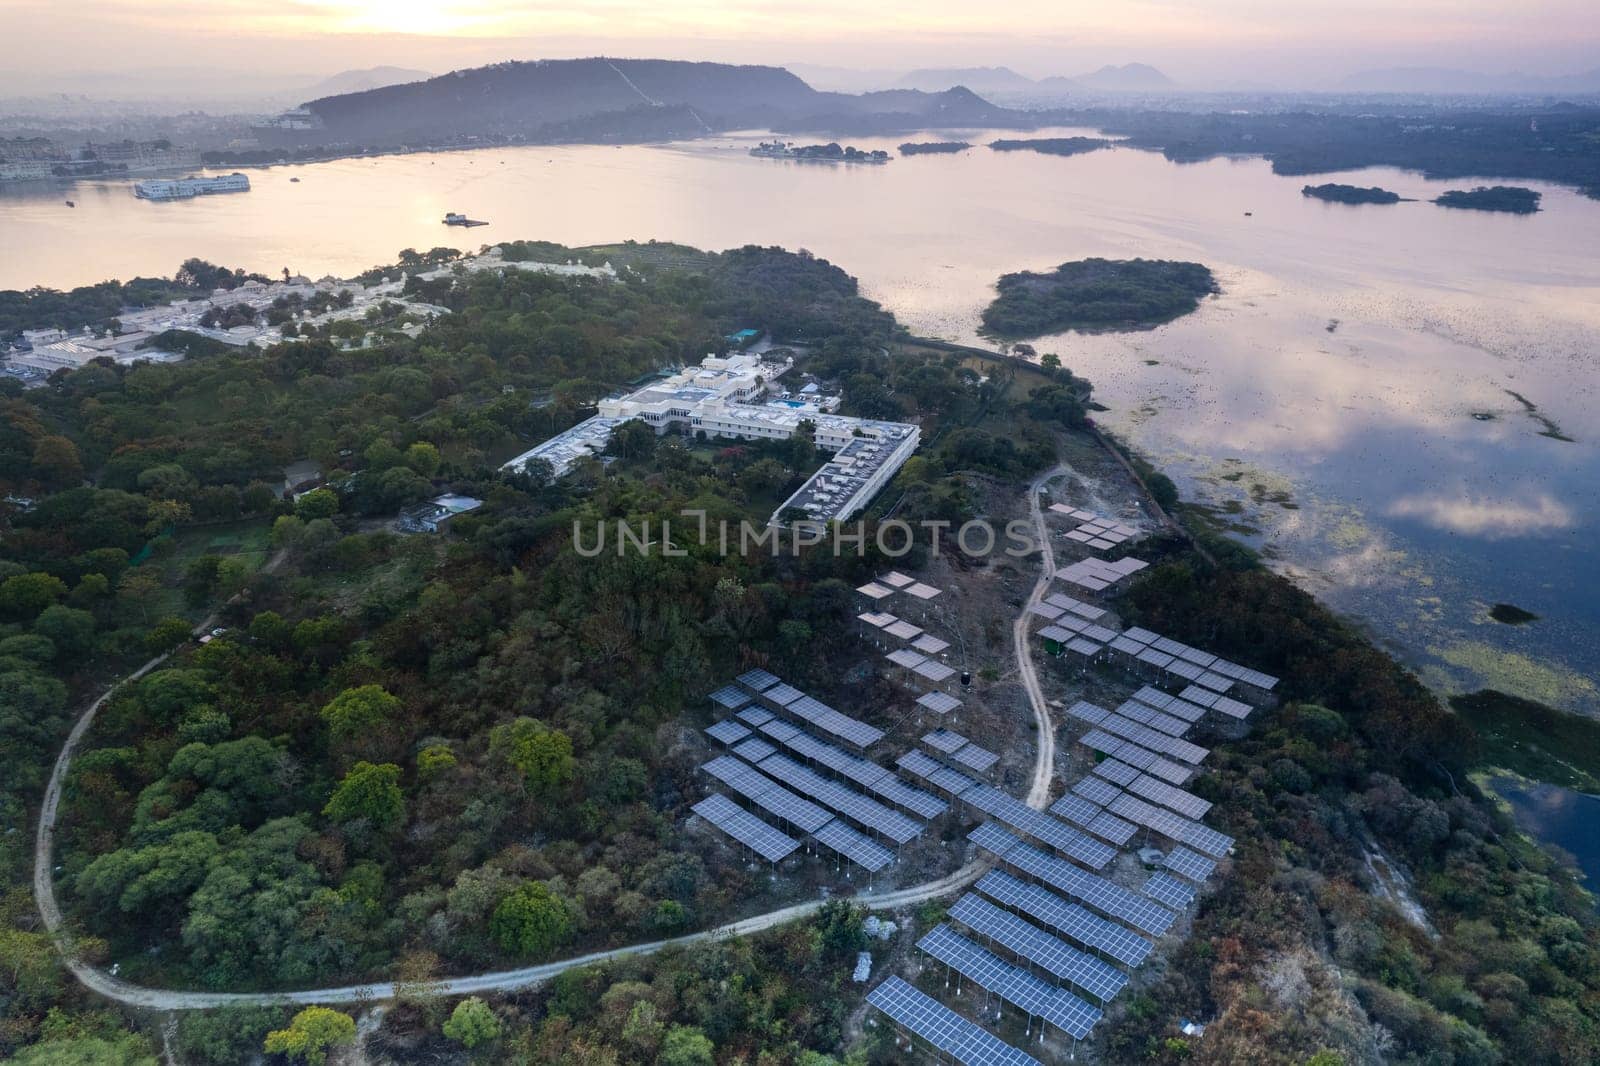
(357, 81)
(978, 79)
(1130, 77)
(618, 99)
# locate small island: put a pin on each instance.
(1051, 145)
(1510, 614)
(1351, 194)
(1513, 199)
(831, 152)
(934, 147)
(1095, 295)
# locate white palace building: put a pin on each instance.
(726, 397)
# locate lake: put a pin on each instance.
(1376, 400)
(1558, 816)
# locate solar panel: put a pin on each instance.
(1108, 826)
(976, 758)
(745, 827)
(1107, 897)
(1096, 790)
(912, 799)
(782, 732)
(766, 794)
(1144, 714)
(1143, 636)
(755, 717)
(1172, 825)
(1185, 803)
(903, 630)
(1215, 682)
(865, 812)
(865, 852)
(1086, 648)
(730, 697)
(1126, 646)
(782, 694)
(1159, 659)
(1153, 739)
(1075, 809)
(943, 741)
(835, 723)
(938, 702)
(1055, 633)
(895, 579)
(1132, 754)
(757, 680)
(1193, 693)
(1048, 612)
(934, 671)
(1085, 711)
(753, 750)
(1232, 708)
(1011, 983)
(1063, 601)
(1068, 919)
(1190, 864)
(1164, 888)
(1088, 611)
(1040, 826)
(930, 645)
(991, 837)
(1099, 633)
(942, 1027)
(1027, 941)
(1117, 772)
(906, 658)
(1196, 656)
(727, 732)
(935, 773)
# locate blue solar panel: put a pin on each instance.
(745, 827)
(1011, 983)
(863, 851)
(1167, 889)
(1057, 834)
(1027, 941)
(758, 680)
(949, 1032)
(727, 731)
(1186, 863)
(1069, 919)
(1107, 897)
(730, 698)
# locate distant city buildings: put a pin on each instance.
(187, 188)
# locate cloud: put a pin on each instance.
(1488, 518)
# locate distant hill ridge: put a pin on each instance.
(604, 98)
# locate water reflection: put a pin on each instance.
(1557, 816)
(1373, 393)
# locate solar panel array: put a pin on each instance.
(835, 723)
(757, 680)
(947, 1031)
(1096, 790)
(863, 811)
(1153, 739)
(745, 827)
(730, 697)
(727, 732)
(1014, 985)
(1132, 754)
(938, 702)
(753, 750)
(1096, 575)
(1172, 825)
(1027, 941)
(1178, 706)
(869, 775)
(1185, 803)
(1144, 714)
(1107, 897)
(861, 850)
(1040, 826)
(755, 717)
(1165, 888)
(1185, 863)
(961, 750)
(943, 740)
(766, 794)
(940, 776)
(1072, 921)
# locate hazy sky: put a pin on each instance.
(67, 45)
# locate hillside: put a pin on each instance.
(587, 99)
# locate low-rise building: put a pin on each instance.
(436, 514)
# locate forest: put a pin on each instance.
(407, 757)
(1351, 194)
(1511, 199)
(1096, 294)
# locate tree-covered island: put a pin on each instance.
(1051, 145)
(1511, 199)
(934, 147)
(1351, 194)
(1096, 294)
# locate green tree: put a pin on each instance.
(686, 1045)
(310, 1034)
(23, 596)
(56, 461)
(165, 635)
(371, 792)
(318, 503)
(357, 713)
(542, 755)
(532, 921)
(69, 629)
(122, 1049)
(472, 1024)
(423, 458)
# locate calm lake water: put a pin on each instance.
(1351, 400)
(1558, 815)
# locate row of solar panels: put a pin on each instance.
(961, 750)
(1201, 660)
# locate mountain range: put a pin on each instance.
(624, 99)
(1131, 77)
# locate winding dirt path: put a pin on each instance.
(132, 995)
